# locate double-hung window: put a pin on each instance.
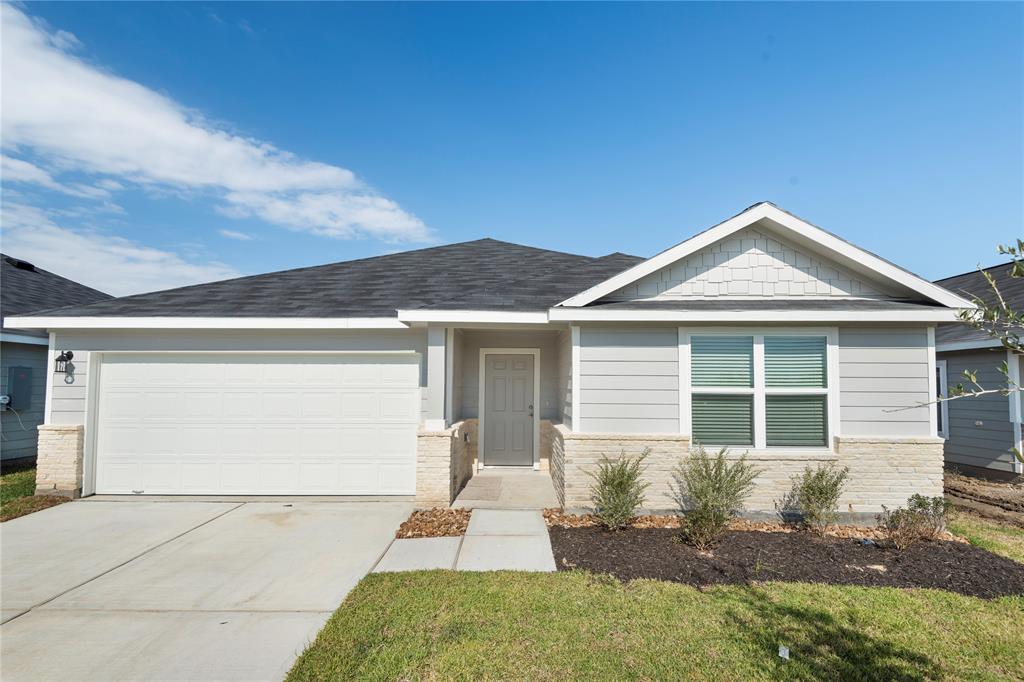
(759, 390)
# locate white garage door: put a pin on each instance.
(257, 424)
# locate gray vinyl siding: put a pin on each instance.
(979, 432)
(69, 400)
(565, 377)
(629, 380)
(883, 373)
(473, 341)
(19, 430)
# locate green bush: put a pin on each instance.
(923, 519)
(618, 489)
(813, 500)
(711, 492)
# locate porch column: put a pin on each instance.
(434, 417)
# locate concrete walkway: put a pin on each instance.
(140, 589)
(508, 489)
(496, 540)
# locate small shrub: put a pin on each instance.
(712, 492)
(618, 489)
(814, 498)
(923, 519)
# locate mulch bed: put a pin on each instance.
(435, 523)
(744, 557)
(556, 518)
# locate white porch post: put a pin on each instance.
(434, 418)
(577, 390)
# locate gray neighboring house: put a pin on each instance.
(24, 360)
(406, 373)
(980, 432)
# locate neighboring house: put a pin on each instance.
(24, 360)
(400, 374)
(981, 431)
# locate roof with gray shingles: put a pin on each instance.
(973, 285)
(485, 274)
(26, 289)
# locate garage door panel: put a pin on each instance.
(258, 424)
(398, 476)
(160, 476)
(399, 406)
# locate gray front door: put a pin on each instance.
(508, 410)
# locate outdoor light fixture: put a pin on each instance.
(60, 365)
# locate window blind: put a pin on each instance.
(723, 419)
(795, 361)
(796, 420)
(722, 361)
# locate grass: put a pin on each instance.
(996, 537)
(574, 626)
(17, 495)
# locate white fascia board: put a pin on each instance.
(746, 316)
(470, 316)
(43, 322)
(967, 345)
(787, 221)
(10, 337)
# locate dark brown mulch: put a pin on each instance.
(438, 522)
(748, 557)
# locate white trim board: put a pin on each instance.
(790, 224)
(482, 396)
(747, 316)
(44, 322)
(478, 316)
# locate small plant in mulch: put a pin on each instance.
(813, 501)
(438, 522)
(618, 489)
(711, 493)
(923, 519)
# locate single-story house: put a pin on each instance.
(24, 357)
(980, 431)
(403, 374)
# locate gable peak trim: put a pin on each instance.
(789, 222)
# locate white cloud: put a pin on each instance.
(78, 117)
(17, 170)
(235, 234)
(112, 264)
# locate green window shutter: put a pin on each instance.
(723, 419)
(796, 420)
(796, 361)
(722, 361)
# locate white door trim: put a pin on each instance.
(481, 442)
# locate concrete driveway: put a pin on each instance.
(138, 589)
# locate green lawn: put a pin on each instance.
(996, 537)
(17, 495)
(574, 626)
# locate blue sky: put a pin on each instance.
(150, 145)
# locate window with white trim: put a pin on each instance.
(759, 390)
